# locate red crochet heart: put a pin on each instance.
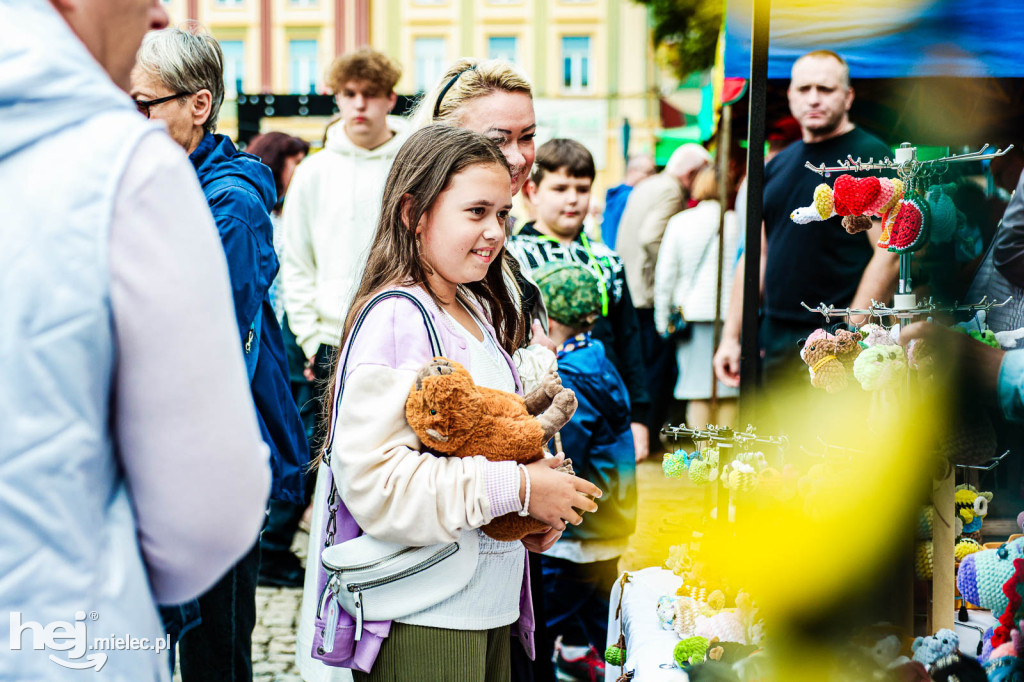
(853, 195)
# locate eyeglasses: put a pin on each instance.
(144, 105)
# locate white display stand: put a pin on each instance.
(648, 647)
(969, 637)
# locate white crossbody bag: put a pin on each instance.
(373, 580)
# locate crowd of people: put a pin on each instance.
(176, 404)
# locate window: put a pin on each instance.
(429, 56)
(576, 63)
(302, 63)
(303, 3)
(503, 47)
(234, 67)
(229, 3)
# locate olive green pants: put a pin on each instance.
(414, 653)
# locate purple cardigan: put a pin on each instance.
(394, 335)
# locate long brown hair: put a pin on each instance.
(422, 170)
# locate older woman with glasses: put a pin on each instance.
(178, 79)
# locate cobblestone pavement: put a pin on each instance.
(666, 507)
(273, 639)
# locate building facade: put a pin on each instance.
(590, 61)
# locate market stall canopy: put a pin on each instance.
(885, 39)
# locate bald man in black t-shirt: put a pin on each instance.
(818, 262)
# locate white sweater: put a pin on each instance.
(329, 222)
(677, 282)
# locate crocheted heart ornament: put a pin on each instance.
(910, 230)
(853, 196)
(884, 200)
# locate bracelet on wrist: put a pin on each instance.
(525, 511)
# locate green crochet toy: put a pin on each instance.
(987, 337)
(690, 651)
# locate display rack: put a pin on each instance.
(906, 163)
(723, 437)
(905, 309)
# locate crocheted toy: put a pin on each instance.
(923, 560)
(616, 653)
(847, 347)
(886, 653)
(889, 192)
(675, 464)
(964, 547)
(741, 477)
(987, 336)
(453, 416)
(888, 223)
(943, 213)
(726, 626)
(855, 224)
(1005, 637)
(755, 459)
(879, 367)
(826, 370)
(971, 508)
(925, 518)
(921, 356)
(666, 610)
(689, 651)
(820, 208)
(982, 575)
(911, 228)
(704, 468)
(927, 650)
(679, 561)
(852, 196)
(876, 335)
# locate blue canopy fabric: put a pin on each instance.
(886, 39)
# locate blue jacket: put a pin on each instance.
(614, 204)
(240, 191)
(599, 441)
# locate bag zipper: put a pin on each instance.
(370, 564)
(358, 588)
(432, 560)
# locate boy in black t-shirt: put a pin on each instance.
(818, 262)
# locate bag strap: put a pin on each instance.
(435, 346)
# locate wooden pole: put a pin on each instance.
(724, 144)
(943, 539)
(750, 350)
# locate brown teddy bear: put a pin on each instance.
(847, 347)
(453, 416)
(827, 371)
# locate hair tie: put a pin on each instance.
(444, 91)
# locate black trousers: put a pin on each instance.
(660, 363)
(283, 517)
(541, 669)
(576, 599)
(219, 649)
